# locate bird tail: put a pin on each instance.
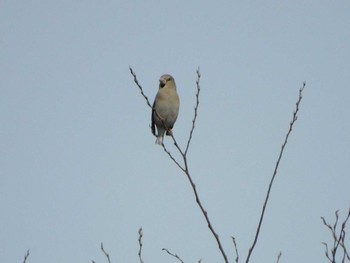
(159, 140)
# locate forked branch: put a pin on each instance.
(183, 154)
(338, 239)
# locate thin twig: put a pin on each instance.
(173, 255)
(204, 212)
(185, 168)
(140, 244)
(106, 254)
(338, 239)
(139, 86)
(294, 119)
(326, 251)
(278, 257)
(187, 172)
(195, 111)
(26, 255)
(236, 248)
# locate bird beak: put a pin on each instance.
(162, 82)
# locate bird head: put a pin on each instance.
(164, 79)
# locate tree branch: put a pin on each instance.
(26, 255)
(294, 119)
(236, 248)
(279, 257)
(140, 244)
(338, 239)
(185, 168)
(173, 255)
(106, 254)
(195, 111)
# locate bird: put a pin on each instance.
(165, 108)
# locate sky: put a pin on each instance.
(78, 162)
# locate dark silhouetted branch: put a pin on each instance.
(294, 119)
(185, 167)
(236, 248)
(279, 257)
(26, 255)
(173, 255)
(140, 244)
(140, 88)
(195, 111)
(338, 239)
(106, 254)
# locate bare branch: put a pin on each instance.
(294, 119)
(26, 255)
(187, 172)
(173, 255)
(338, 239)
(140, 244)
(236, 248)
(195, 110)
(185, 169)
(278, 257)
(106, 254)
(204, 212)
(138, 85)
(326, 252)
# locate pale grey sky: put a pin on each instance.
(78, 163)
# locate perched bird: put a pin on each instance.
(165, 108)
